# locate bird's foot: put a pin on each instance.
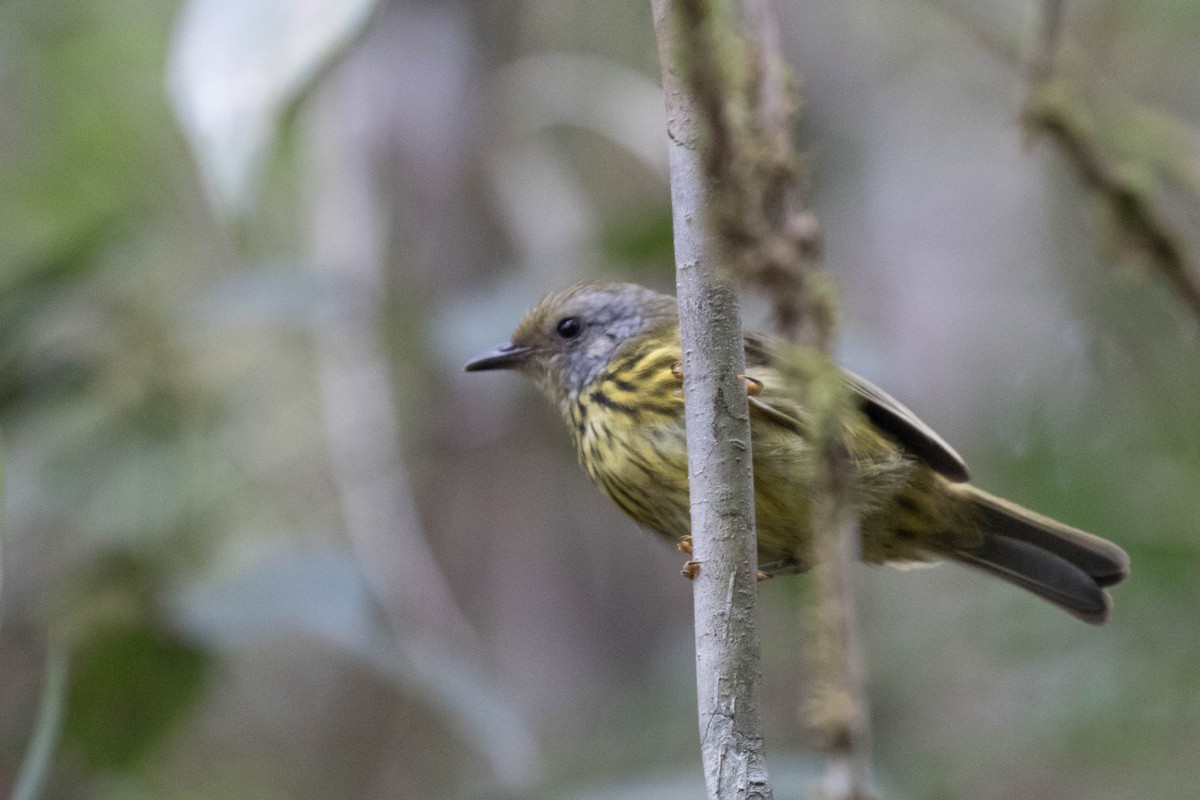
(684, 545)
(677, 371)
(754, 387)
(690, 570)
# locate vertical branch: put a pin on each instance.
(789, 267)
(788, 249)
(348, 246)
(719, 468)
(743, 110)
(838, 709)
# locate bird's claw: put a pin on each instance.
(684, 545)
(690, 570)
(754, 387)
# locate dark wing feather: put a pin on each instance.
(895, 419)
(884, 411)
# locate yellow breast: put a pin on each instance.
(629, 433)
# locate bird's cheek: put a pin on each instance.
(545, 377)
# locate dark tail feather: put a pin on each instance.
(1061, 564)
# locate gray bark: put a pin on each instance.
(719, 466)
(838, 706)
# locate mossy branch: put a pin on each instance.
(1053, 110)
(1138, 227)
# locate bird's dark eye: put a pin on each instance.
(569, 327)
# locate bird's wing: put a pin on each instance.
(895, 419)
(885, 412)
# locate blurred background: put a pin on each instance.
(264, 539)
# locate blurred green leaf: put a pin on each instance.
(129, 686)
(644, 239)
(235, 68)
(77, 164)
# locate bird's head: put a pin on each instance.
(568, 338)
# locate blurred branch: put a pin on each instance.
(718, 419)
(838, 708)
(1050, 110)
(356, 389)
(786, 257)
(1041, 65)
(593, 93)
(46, 730)
(349, 235)
(997, 44)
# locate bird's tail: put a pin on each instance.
(1058, 563)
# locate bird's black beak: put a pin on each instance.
(506, 356)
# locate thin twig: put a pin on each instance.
(1050, 33)
(1139, 228)
(39, 754)
(997, 44)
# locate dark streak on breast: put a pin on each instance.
(600, 398)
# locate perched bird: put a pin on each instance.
(608, 356)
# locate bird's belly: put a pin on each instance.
(647, 479)
(643, 468)
(781, 507)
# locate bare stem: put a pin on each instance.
(718, 425)
(730, 110)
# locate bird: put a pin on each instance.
(608, 356)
